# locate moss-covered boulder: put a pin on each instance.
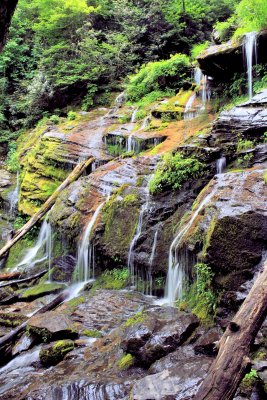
(52, 325)
(41, 290)
(55, 352)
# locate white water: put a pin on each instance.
(134, 115)
(188, 112)
(42, 250)
(14, 197)
(250, 50)
(151, 260)
(221, 165)
(130, 262)
(130, 144)
(145, 122)
(178, 263)
(22, 361)
(202, 81)
(120, 98)
(86, 257)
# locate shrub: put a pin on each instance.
(12, 158)
(173, 171)
(54, 119)
(251, 16)
(71, 115)
(198, 48)
(154, 76)
(244, 145)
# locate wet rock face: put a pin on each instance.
(233, 229)
(222, 61)
(161, 332)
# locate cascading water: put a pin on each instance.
(134, 115)
(86, 255)
(178, 262)
(13, 198)
(250, 52)
(42, 251)
(201, 80)
(151, 260)
(221, 165)
(131, 254)
(188, 112)
(145, 122)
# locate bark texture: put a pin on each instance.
(7, 8)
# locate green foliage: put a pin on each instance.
(72, 115)
(200, 296)
(92, 333)
(158, 75)
(243, 145)
(138, 318)
(125, 362)
(225, 29)
(115, 279)
(250, 378)
(265, 177)
(55, 119)
(12, 161)
(173, 171)
(251, 16)
(198, 48)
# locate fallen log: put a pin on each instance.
(9, 276)
(12, 336)
(232, 361)
(73, 176)
(29, 279)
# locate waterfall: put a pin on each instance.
(129, 143)
(201, 80)
(188, 112)
(178, 258)
(120, 99)
(145, 122)
(221, 165)
(42, 250)
(131, 254)
(86, 253)
(14, 197)
(134, 115)
(250, 52)
(151, 260)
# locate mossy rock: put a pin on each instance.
(11, 320)
(41, 290)
(92, 333)
(53, 353)
(125, 362)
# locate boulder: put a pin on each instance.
(53, 353)
(177, 383)
(207, 343)
(52, 325)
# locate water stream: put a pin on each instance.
(151, 260)
(250, 52)
(42, 250)
(86, 255)
(178, 269)
(221, 165)
(14, 197)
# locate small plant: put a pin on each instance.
(243, 145)
(199, 48)
(72, 115)
(54, 119)
(12, 158)
(250, 378)
(125, 362)
(173, 171)
(138, 318)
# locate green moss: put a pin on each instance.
(250, 379)
(76, 301)
(208, 235)
(125, 362)
(115, 213)
(138, 318)
(115, 279)
(52, 355)
(173, 171)
(11, 319)
(42, 290)
(18, 251)
(200, 297)
(92, 333)
(265, 177)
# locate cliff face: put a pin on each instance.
(7, 8)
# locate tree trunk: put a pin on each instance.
(7, 8)
(28, 279)
(75, 174)
(232, 362)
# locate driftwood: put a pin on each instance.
(232, 361)
(74, 175)
(12, 336)
(30, 278)
(7, 8)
